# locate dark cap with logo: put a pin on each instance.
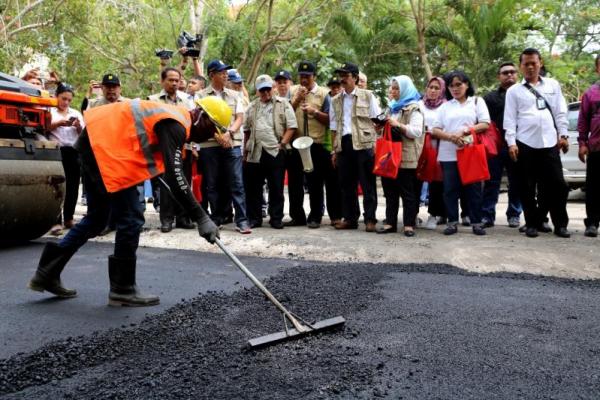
(283, 74)
(111, 79)
(306, 68)
(334, 81)
(347, 67)
(217, 66)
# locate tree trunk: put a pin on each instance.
(417, 7)
(196, 14)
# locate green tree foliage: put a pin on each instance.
(479, 31)
(83, 39)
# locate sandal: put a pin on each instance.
(386, 229)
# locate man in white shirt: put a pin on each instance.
(536, 128)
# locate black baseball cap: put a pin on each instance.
(111, 79)
(282, 74)
(306, 68)
(217, 66)
(334, 81)
(347, 67)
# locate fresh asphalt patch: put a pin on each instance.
(412, 332)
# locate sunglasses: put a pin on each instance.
(509, 72)
(265, 89)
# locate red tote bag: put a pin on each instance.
(388, 155)
(472, 164)
(491, 140)
(428, 167)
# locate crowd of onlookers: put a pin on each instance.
(241, 172)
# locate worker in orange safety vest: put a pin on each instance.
(123, 144)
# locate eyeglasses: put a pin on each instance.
(509, 72)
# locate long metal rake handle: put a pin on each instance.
(299, 327)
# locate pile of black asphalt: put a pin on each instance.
(412, 332)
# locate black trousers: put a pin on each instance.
(72, 167)
(295, 172)
(356, 166)
(436, 199)
(540, 171)
(403, 186)
(169, 210)
(273, 170)
(592, 190)
(323, 175)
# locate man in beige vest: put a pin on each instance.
(269, 127)
(311, 103)
(353, 138)
(169, 212)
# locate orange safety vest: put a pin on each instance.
(124, 143)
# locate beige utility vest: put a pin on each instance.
(231, 97)
(363, 131)
(411, 148)
(279, 122)
(316, 130)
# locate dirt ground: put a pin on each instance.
(503, 250)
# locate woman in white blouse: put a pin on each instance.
(67, 124)
(456, 120)
(406, 119)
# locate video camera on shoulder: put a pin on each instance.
(164, 54)
(190, 43)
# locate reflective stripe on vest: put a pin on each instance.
(124, 142)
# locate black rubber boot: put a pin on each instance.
(47, 277)
(123, 291)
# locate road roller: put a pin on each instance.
(32, 179)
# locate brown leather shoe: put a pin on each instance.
(345, 225)
(370, 227)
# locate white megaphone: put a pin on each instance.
(302, 144)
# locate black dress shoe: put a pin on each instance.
(166, 227)
(450, 230)
(591, 231)
(313, 224)
(255, 224)
(523, 229)
(276, 224)
(531, 232)
(545, 228)
(562, 232)
(185, 224)
(294, 222)
(479, 230)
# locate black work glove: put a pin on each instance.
(207, 229)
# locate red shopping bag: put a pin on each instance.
(196, 182)
(388, 154)
(428, 167)
(490, 139)
(472, 164)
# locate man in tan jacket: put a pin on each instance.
(353, 137)
(311, 103)
(269, 127)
